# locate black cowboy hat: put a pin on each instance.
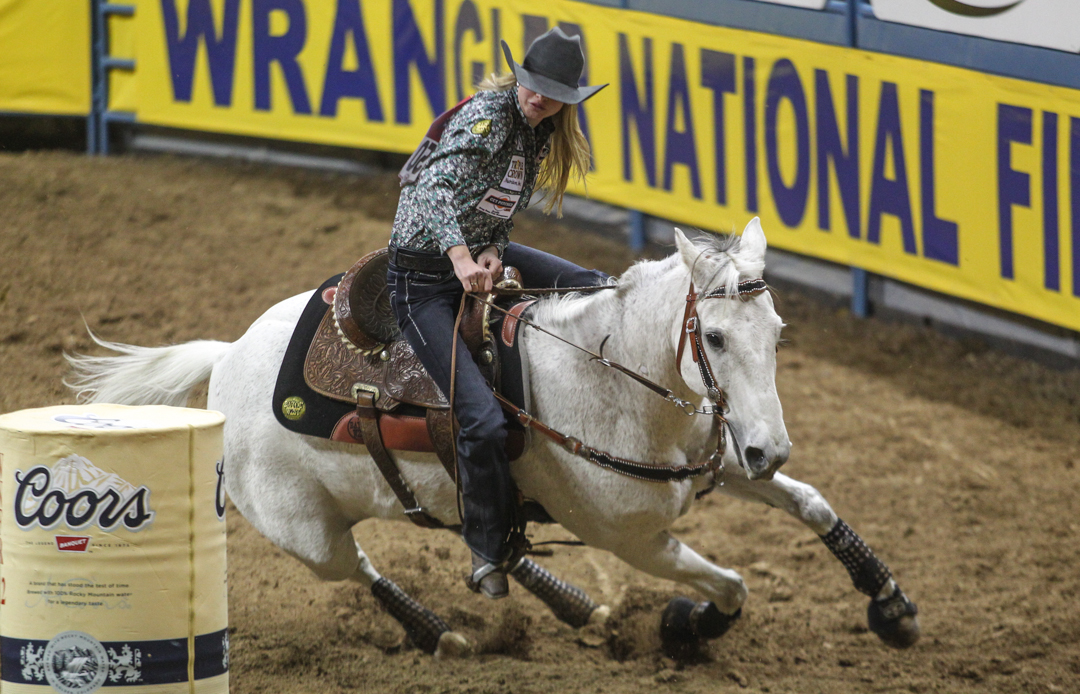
(552, 67)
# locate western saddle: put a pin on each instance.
(359, 356)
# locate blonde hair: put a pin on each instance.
(569, 153)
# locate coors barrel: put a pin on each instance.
(112, 563)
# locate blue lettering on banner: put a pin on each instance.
(784, 83)
(718, 74)
(532, 26)
(283, 50)
(890, 195)
(572, 29)
(750, 133)
(359, 83)
(409, 50)
(633, 109)
(1074, 197)
(468, 21)
(498, 61)
(830, 147)
(680, 146)
(220, 48)
(1051, 268)
(1014, 187)
(940, 236)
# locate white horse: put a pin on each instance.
(306, 493)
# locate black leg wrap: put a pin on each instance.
(886, 618)
(685, 624)
(421, 624)
(570, 604)
(868, 573)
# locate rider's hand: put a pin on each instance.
(473, 277)
(489, 260)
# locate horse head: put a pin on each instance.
(738, 331)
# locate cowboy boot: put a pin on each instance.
(488, 579)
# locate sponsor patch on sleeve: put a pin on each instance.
(481, 127)
(498, 204)
(515, 174)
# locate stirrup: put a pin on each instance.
(476, 583)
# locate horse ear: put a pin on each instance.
(753, 244)
(687, 249)
(702, 264)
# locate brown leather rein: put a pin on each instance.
(691, 327)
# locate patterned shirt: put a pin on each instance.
(479, 176)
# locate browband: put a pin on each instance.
(745, 288)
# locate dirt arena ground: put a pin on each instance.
(957, 464)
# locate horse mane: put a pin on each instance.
(733, 266)
(565, 309)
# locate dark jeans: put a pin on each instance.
(426, 305)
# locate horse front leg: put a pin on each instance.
(686, 624)
(891, 615)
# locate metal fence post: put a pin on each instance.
(860, 292)
(637, 231)
(101, 65)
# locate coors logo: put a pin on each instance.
(79, 494)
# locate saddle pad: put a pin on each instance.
(296, 406)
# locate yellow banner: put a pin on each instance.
(45, 57)
(954, 180)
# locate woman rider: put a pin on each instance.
(450, 236)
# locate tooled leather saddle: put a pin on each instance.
(349, 375)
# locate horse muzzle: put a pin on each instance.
(762, 463)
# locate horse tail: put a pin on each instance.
(143, 375)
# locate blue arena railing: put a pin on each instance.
(101, 65)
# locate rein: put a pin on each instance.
(653, 472)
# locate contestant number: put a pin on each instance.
(418, 161)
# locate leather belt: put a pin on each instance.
(424, 261)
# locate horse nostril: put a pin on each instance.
(755, 458)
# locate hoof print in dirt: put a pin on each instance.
(894, 620)
(685, 626)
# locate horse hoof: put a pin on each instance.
(451, 646)
(894, 620)
(599, 616)
(685, 624)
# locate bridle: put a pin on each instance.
(690, 330)
(691, 327)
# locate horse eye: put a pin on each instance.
(716, 340)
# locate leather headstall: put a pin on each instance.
(691, 326)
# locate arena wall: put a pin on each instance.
(951, 179)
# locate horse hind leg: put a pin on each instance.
(569, 603)
(424, 628)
